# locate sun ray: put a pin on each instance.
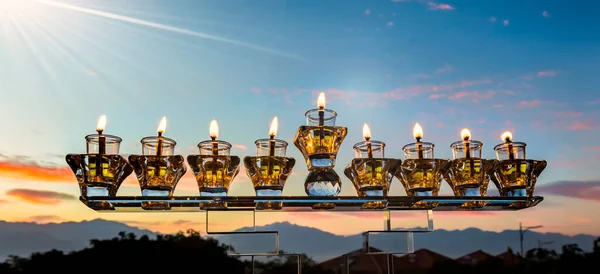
(169, 28)
(34, 51)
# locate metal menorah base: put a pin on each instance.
(253, 242)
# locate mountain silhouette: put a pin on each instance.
(24, 238)
(321, 245)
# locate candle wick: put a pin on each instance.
(99, 131)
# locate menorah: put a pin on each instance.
(101, 170)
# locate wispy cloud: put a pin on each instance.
(568, 114)
(587, 190)
(41, 197)
(595, 102)
(436, 96)
(389, 24)
(367, 11)
(493, 19)
(164, 27)
(44, 219)
(473, 96)
(240, 146)
(506, 22)
(529, 104)
(582, 125)
(439, 6)
(545, 14)
(547, 73)
(30, 171)
(446, 68)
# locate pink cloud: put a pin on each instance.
(474, 96)
(493, 19)
(582, 125)
(498, 106)
(239, 146)
(546, 14)
(367, 11)
(440, 125)
(508, 123)
(436, 96)
(596, 102)
(444, 69)
(587, 190)
(255, 90)
(440, 6)
(389, 24)
(505, 22)
(529, 104)
(536, 124)
(594, 148)
(547, 73)
(565, 114)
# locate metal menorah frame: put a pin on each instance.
(215, 206)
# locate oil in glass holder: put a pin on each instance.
(370, 172)
(421, 173)
(214, 169)
(269, 170)
(514, 174)
(101, 170)
(468, 174)
(319, 141)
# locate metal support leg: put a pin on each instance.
(254, 235)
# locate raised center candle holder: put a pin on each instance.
(101, 170)
(370, 172)
(157, 169)
(319, 141)
(214, 168)
(421, 173)
(515, 175)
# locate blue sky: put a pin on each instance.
(491, 66)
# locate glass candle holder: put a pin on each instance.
(420, 173)
(214, 167)
(468, 173)
(511, 151)
(466, 149)
(99, 174)
(312, 117)
(269, 170)
(418, 150)
(208, 147)
(150, 146)
(320, 144)
(377, 148)
(111, 144)
(263, 147)
(157, 169)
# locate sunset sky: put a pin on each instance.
(490, 66)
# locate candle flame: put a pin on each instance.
(162, 126)
(506, 136)
(273, 128)
(465, 134)
(321, 100)
(418, 131)
(366, 132)
(214, 129)
(101, 123)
